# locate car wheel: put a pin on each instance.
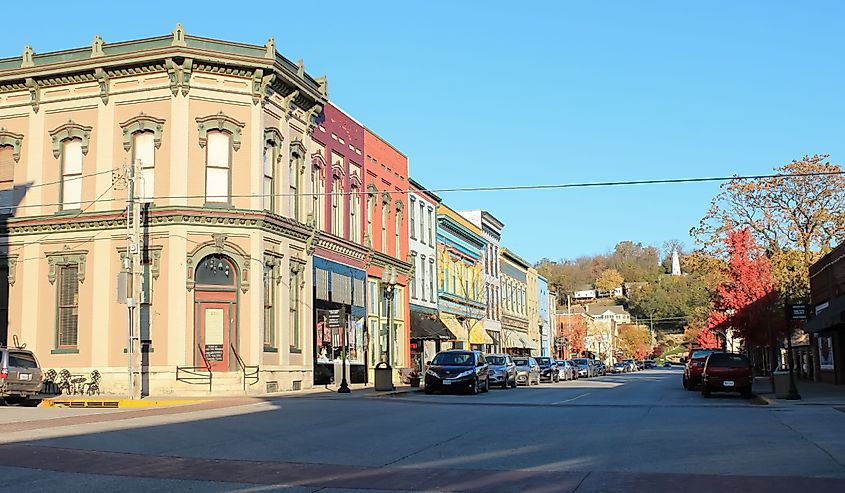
(686, 383)
(486, 385)
(513, 385)
(428, 391)
(474, 389)
(31, 402)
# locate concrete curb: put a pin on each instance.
(101, 403)
(762, 400)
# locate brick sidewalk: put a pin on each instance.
(394, 478)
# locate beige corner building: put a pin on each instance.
(218, 135)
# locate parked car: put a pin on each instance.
(548, 369)
(502, 370)
(565, 370)
(649, 363)
(527, 371)
(640, 364)
(632, 365)
(585, 368)
(619, 368)
(599, 368)
(574, 366)
(694, 366)
(458, 370)
(667, 365)
(726, 372)
(20, 377)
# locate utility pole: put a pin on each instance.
(133, 209)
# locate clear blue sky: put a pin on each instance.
(504, 93)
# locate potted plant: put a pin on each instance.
(414, 378)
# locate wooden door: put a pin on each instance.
(214, 332)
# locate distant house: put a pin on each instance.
(585, 293)
(616, 313)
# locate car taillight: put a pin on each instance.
(4, 374)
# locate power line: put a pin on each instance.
(666, 181)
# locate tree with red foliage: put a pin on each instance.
(746, 299)
(574, 328)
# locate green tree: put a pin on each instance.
(609, 280)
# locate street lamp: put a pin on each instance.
(793, 394)
(388, 283)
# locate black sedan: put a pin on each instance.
(548, 369)
(458, 370)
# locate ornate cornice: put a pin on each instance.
(242, 219)
(380, 259)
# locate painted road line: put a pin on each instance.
(570, 400)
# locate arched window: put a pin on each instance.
(215, 270)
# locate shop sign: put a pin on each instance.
(798, 312)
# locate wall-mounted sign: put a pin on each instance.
(798, 312)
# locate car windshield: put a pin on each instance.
(453, 359)
(497, 360)
(723, 360)
(701, 353)
(521, 361)
(580, 361)
(21, 360)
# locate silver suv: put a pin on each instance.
(20, 377)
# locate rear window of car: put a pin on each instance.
(543, 361)
(724, 360)
(520, 361)
(22, 360)
(701, 353)
(581, 361)
(496, 360)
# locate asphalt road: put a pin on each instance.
(631, 432)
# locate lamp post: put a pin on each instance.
(793, 394)
(388, 283)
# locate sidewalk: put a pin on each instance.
(812, 393)
(107, 401)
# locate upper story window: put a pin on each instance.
(371, 211)
(141, 138)
(337, 205)
(70, 145)
(355, 215)
(143, 154)
(430, 226)
(422, 224)
(412, 226)
(221, 136)
(218, 167)
(397, 228)
(270, 159)
(10, 153)
(318, 166)
(385, 216)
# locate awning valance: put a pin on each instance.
(829, 318)
(429, 326)
(455, 327)
(513, 339)
(477, 334)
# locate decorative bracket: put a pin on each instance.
(70, 130)
(103, 80)
(142, 123)
(11, 263)
(297, 266)
(8, 138)
(34, 93)
(64, 258)
(187, 67)
(219, 242)
(274, 261)
(288, 104)
(312, 115)
(179, 75)
(261, 85)
(223, 123)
